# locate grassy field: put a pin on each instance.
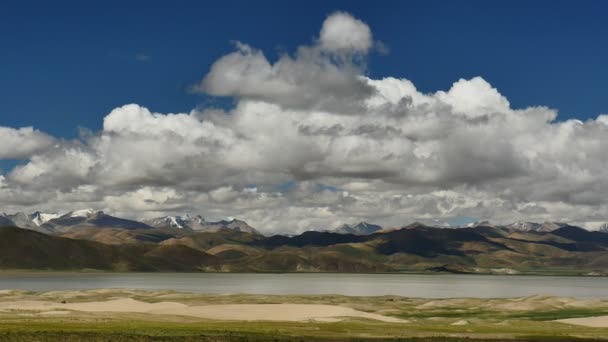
(529, 319)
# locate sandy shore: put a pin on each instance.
(594, 322)
(232, 312)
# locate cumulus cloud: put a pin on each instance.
(313, 142)
(18, 143)
(321, 76)
(342, 32)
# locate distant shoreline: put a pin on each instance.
(350, 284)
(93, 271)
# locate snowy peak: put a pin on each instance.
(536, 227)
(523, 226)
(361, 228)
(175, 222)
(34, 221)
(89, 218)
(39, 218)
(198, 223)
(604, 228)
(82, 213)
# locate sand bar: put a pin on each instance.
(594, 322)
(231, 312)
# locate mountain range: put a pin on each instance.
(567, 250)
(361, 228)
(198, 223)
(84, 219)
(70, 222)
(88, 239)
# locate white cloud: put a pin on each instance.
(342, 32)
(474, 97)
(18, 143)
(399, 155)
(322, 76)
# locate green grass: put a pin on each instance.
(559, 314)
(262, 331)
(544, 315)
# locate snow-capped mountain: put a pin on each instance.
(21, 220)
(177, 222)
(51, 223)
(523, 226)
(90, 218)
(361, 228)
(72, 218)
(536, 227)
(39, 218)
(238, 225)
(81, 213)
(32, 221)
(604, 228)
(198, 223)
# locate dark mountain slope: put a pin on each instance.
(581, 235)
(182, 258)
(482, 249)
(99, 219)
(207, 240)
(310, 238)
(431, 242)
(20, 248)
(26, 249)
(115, 236)
(6, 222)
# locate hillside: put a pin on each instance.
(26, 249)
(481, 249)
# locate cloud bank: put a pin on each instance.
(18, 143)
(313, 142)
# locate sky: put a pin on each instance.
(305, 116)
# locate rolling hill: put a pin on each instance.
(414, 248)
(27, 249)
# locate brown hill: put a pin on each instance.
(482, 249)
(27, 249)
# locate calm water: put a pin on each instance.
(410, 285)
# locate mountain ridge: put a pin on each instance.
(480, 250)
(361, 228)
(51, 223)
(69, 222)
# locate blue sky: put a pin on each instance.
(315, 140)
(67, 64)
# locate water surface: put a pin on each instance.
(408, 285)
